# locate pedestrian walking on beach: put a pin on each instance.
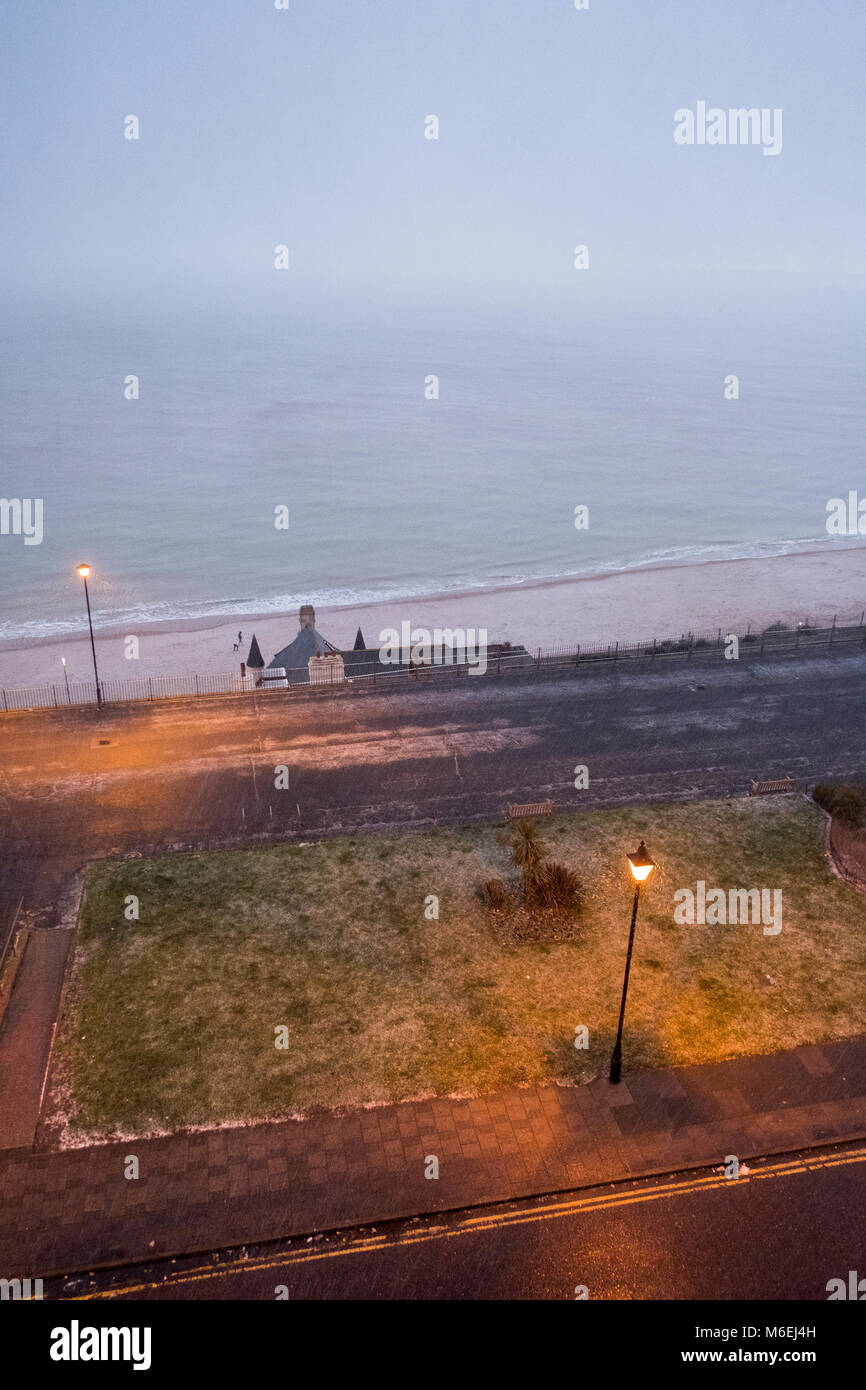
(240, 638)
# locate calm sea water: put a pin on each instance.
(171, 497)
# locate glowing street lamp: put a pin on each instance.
(84, 571)
(641, 866)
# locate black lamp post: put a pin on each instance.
(641, 867)
(84, 571)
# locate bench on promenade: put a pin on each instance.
(773, 788)
(532, 808)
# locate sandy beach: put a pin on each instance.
(627, 606)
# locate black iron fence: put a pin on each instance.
(776, 639)
(781, 637)
(114, 691)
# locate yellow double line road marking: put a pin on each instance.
(490, 1221)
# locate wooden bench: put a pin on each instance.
(533, 808)
(772, 788)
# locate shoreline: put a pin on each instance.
(439, 596)
(654, 600)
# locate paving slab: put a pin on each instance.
(71, 1210)
(27, 1032)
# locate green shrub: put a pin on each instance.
(846, 803)
(556, 888)
(823, 795)
(850, 805)
(496, 894)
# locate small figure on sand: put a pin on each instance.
(240, 638)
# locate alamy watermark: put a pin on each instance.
(846, 516)
(739, 125)
(714, 907)
(20, 1290)
(421, 646)
(22, 516)
(77, 1343)
(855, 1290)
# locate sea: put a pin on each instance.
(418, 448)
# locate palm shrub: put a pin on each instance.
(527, 853)
(556, 888)
(497, 894)
(546, 884)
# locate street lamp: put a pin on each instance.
(641, 866)
(84, 571)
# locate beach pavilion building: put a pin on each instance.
(311, 659)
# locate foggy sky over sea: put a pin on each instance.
(410, 256)
(306, 127)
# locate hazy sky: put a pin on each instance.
(306, 127)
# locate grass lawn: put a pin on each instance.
(170, 1020)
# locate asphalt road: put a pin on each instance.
(77, 783)
(780, 1232)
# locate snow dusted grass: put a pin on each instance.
(170, 1020)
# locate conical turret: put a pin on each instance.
(255, 660)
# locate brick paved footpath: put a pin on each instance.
(75, 1210)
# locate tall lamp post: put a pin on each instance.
(84, 571)
(641, 867)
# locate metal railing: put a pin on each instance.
(776, 639)
(10, 937)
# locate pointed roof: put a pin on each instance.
(255, 658)
(359, 642)
(308, 643)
